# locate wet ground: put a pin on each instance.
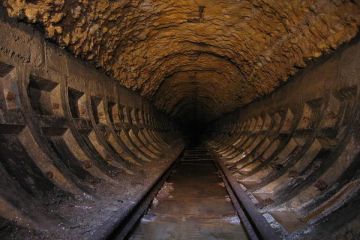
(193, 204)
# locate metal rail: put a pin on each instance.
(254, 222)
(251, 232)
(122, 227)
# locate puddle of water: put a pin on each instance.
(155, 202)
(150, 217)
(235, 220)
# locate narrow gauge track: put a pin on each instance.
(196, 198)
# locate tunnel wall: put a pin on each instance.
(296, 152)
(77, 150)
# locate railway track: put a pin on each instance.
(195, 199)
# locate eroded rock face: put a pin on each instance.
(208, 55)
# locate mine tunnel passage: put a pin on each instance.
(192, 204)
(204, 119)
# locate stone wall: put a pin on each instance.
(218, 55)
(297, 151)
(77, 150)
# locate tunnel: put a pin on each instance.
(186, 119)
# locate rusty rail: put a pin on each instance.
(121, 229)
(255, 224)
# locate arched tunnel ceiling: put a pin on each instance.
(195, 55)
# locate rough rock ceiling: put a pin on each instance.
(191, 56)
